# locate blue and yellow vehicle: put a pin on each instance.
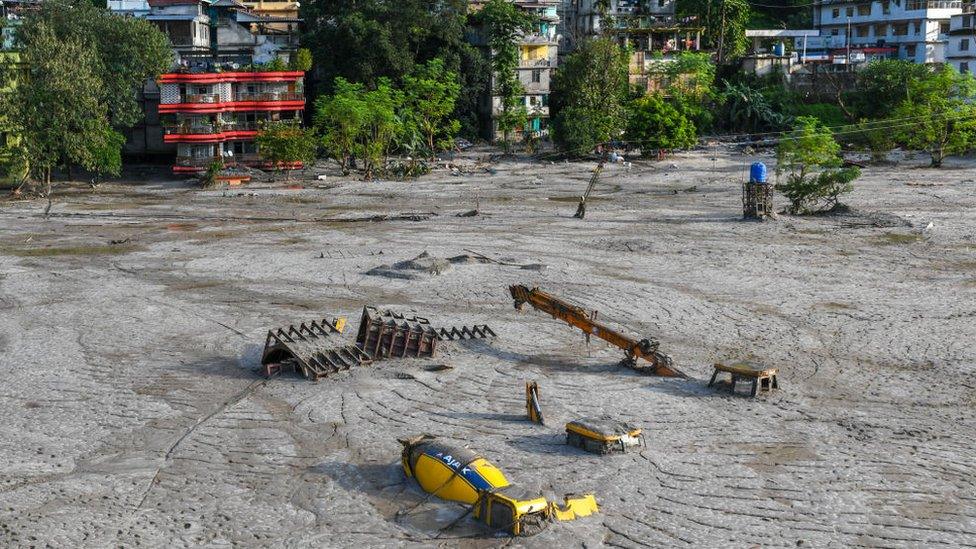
(459, 474)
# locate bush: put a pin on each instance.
(809, 156)
(658, 125)
(827, 113)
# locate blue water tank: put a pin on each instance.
(779, 49)
(757, 172)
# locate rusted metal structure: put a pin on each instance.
(311, 349)
(646, 349)
(389, 334)
(757, 200)
(383, 336)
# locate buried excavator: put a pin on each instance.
(458, 474)
(645, 349)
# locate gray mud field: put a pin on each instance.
(132, 412)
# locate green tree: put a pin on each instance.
(882, 86)
(810, 158)
(746, 108)
(126, 51)
(588, 94)
(689, 79)
(284, 144)
(656, 125)
(430, 95)
(56, 108)
(341, 120)
(716, 15)
(359, 123)
(938, 114)
(301, 61)
(504, 24)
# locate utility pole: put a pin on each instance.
(721, 37)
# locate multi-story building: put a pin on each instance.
(230, 75)
(961, 48)
(274, 8)
(649, 28)
(916, 30)
(538, 57)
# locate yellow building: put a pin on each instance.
(274, 8)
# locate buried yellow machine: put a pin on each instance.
(458, 474)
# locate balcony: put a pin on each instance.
(200, 98)
(270, 96)
(535, 63)
(210, 133)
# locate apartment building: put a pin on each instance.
(538, 57)
(229, 76)
(649, 28)
(961, 48)
(915, 30)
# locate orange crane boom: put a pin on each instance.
(646, 348)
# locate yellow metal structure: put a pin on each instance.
(646, 349)
(339, 323)
(532, 405)
(458, 474)
(602, 436)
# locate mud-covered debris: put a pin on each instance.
(412, 269)
(469, 213)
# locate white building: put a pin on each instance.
(917, 30)
(961, 49)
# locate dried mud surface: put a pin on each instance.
(131, 413)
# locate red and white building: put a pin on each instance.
(230, 76)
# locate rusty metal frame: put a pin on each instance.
(309, 349)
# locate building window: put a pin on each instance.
(965, 21)
(835, 13)
(886, 8)
(864, 9)
(660, 3)
(912, 5)
(918, 28)
(834, 32)
(964, 44)
(899, 29)
(849, 11)
(862, 31)
(880, 30)
(536, 76)
(545, 100)
(944, 27)
(964, 67)
(910, 51)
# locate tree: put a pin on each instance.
(658, 126)
(359, 123)
(284, 144)
(725, 23)
(301, 61)
(430, 94)
(689, 79)
(56, 109)
(126, 51)
(504, 23)
(882, 86)
(588, 94)
(810, 158)
(746, 108)
(938, 114)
